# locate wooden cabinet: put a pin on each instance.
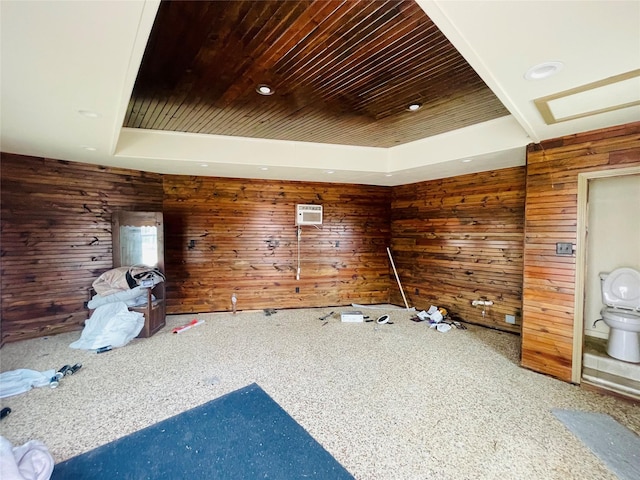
(138, 239)
(153, 311)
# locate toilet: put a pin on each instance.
(621, 297)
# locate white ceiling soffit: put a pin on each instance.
(501, 40)
(491, 145)
(61, 58)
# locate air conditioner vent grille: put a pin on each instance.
(308, 214)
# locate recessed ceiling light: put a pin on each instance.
(88, 113)
(414, 106)
(543, 70)
(263, 89)
(329, 172)
(264, 169)
(388, 174)
(89, 149)
(204, 164)
(467, 160)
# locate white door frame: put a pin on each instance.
(581, 261)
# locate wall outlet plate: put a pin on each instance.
(510, 319)
(563, 248)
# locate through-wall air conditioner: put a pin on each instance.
(308, 214)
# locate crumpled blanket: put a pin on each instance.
(125, 278)
(134, 297)
(111, 324)
(22, 380)
(31, 461)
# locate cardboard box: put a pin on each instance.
(353, 317)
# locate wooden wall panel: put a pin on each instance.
(222, 236)
(227, 236)
(460, 239)
(551, 216)
(454, 240)
(56, 237)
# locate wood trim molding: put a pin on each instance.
(544, 107)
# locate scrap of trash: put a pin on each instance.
(183, 328)
(438, 318)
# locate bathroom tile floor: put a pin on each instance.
(604, 371)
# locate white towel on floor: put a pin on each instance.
(22, 380)
(31, 461)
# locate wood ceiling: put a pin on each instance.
(344, 72)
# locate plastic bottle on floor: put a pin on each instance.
(234, 301)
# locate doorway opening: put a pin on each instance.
(608, 236)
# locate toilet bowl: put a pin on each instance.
(621, 297)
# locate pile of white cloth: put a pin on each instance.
(111, 324)
(22, 380)
(31, 461)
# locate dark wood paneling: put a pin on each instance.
(344, 72)
(460, 239)
(551, 216)
(222, 236)
(56, 237)
(231, 235)
(454, 240)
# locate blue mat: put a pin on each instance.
(614, 444)
(242, 435)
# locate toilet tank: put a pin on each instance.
(621, 288)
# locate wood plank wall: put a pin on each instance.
(551, 216)
(454, 240)
(225, 236)
(56, 237)
(460, 239)
(221, 236)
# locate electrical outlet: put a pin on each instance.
(510, 319)
(297, 289)
(563, 248)
(417, 291)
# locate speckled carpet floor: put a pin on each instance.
(395, 401)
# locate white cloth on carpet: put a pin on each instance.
(22, 380)
(31, 461)
(112, 324)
